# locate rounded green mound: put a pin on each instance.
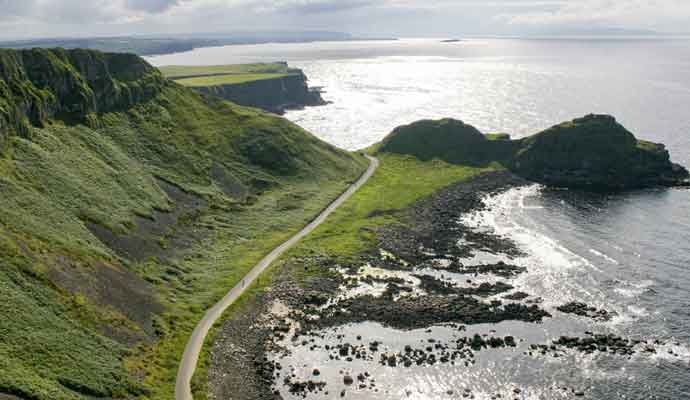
(450, 140)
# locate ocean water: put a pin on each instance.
(628, 253)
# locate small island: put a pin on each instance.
(272, 87)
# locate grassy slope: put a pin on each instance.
(399, 182)
(63, 337)
(233, 79)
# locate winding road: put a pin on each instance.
(190, 357)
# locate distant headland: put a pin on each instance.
(273, 87)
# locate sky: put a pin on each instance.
(399, 18)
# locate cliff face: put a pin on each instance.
(273, 95)
(593, 152)
(40, 84)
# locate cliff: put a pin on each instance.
(274, 95)
(593, 152)
(41, 84)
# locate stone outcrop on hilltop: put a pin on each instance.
(593, 152)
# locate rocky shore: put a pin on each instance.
(408, 283)
(298, 313)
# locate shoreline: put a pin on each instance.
(301, 310)
(355, 320)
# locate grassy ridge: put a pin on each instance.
(81, 319)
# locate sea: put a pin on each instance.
(628, 253)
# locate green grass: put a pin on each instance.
(216, 75)
(399, 182)
(647, 146)
(176, 71)
(44, 355)
(217, 80)
(60, 336)
(242, 239)
(497, 136)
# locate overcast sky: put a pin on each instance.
(41, 18)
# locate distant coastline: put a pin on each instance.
(161, 45)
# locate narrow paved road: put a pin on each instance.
(190, 357)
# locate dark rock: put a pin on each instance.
(584, 310)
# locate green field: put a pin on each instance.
(177, 71)
(216, 75)
(217, 80)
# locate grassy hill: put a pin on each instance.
(593, 152)
(130, 204)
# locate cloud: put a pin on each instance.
(12, 8)
(150, 6)
(321, 6)
(376, 17)
(82, 11)
(641, 13)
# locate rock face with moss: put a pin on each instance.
(41, 84)
(593, 152)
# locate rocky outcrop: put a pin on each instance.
(273, 95)
(41, 84)
(593, 152)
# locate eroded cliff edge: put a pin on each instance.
(275, 95)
